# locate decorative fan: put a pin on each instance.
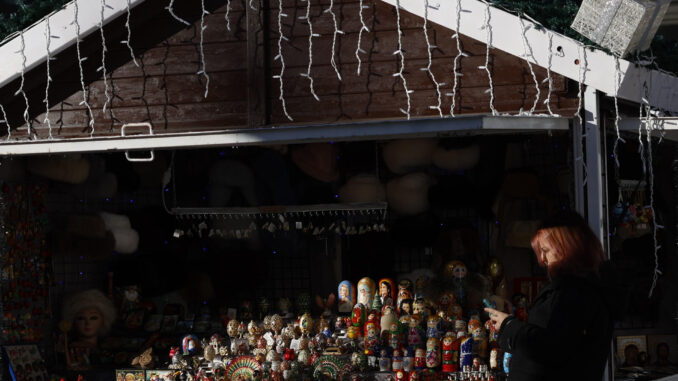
(330, 367)
(242, 368)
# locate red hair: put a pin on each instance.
(574, 244)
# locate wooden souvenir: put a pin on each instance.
(404, 292)
(419, 358)
(243, 367)
(371, 337)
(432, 353)
(384, 361)
(346, 292)
(386, 291)
(366, 290)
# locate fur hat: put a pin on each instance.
(126, 239)
(362, 189)
(225, 176)
(406, 155)
(455, 159)
(72, 169)
(318, 160)
(408, 195)
(86, 299)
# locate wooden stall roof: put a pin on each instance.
(168, 91)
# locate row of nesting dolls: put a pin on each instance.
(409, 298)
(469, 344)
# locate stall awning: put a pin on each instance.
(373, 130)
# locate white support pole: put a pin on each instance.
(594, 163)
(578, 170)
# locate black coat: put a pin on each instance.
(568, 333)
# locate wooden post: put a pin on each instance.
(257, 62)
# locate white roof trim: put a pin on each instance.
(507, 36)
(63, 31)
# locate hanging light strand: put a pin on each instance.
(307, 17)
(655, 227)
(460, 54)
(488, 46)
(48, 80)
(583, 63)
(203, 70)
(129, 34)
(429, 49)
(21, 86)
(402, 63)
(330, 10)
(6, 121)
(82, 75)
(227, 17)
(617, 118)
(170, 9)
(280, 57)
(529, 54)
(548, 78)
(363, 28)
(102, 68)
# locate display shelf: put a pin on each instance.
(285, 210)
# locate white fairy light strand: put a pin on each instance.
(363, 28)
(402, 63)
(583, 63)
(488, 46)
(460, 54)
(6, 121)
(429, 49)
(21, 86)
(170, 8)
(334, 37)
(82, 75)
(528, 53)
(203, 70)
(307, 17)
(102, 68)
(617, 118)
(280, 57)
(657, 272)
(48, 40)
(129, 34)
(548, 78)
(227, 17)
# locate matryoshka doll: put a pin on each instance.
(387, 292)
(445, 301)
(371, 338)
(396, 338)
(449, 365)
(492, 334)
(456, 312)
(420, 308)
(384, 361)
(404, 292)
(432, 353)
(400, 375)
(366, 290)
(466, 351)
(358, 315)
(397, 360)
(415, 335)
(495, 358)
(433, 326)
(405, 307)
(478, 333)
(455, 272)
(346, 293)
(415, 376)
(386, 319)
(408, 360)
(419, 358)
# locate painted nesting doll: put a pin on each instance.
(387, 292)
(366, 290)
(346, 292)
(432, 353)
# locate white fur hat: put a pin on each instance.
(406, 155)
(362, 189)
(72, 169)
(126, 240)
(456, 159)
(408, 194)
(115, 221)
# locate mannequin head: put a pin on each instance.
(91, 315)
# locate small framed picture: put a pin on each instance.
(663, 349)
(159, 375)
(129, 375)
(629, 349)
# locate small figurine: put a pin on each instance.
(397, 360)
(456, 312)
(415, 376)
(358, 316)
(408, 360)
(419, 358)
(433, 327)
(494, 359)
(433, 353)
(190, 345)
(415, 335)
(387, 319)
(397, 339)
(448, 360)
(371, 338)
(419, 308)
(384, 361)
(404, 292)
(445, 302)
(366, 290)
(386, 292)
(144, 360)
(400, 375)
(466, 352)
(346, 293)
(405, 306)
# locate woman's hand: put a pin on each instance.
(497, 317)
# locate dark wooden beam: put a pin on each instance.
(257, 62)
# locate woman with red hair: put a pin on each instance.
(568, 333)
